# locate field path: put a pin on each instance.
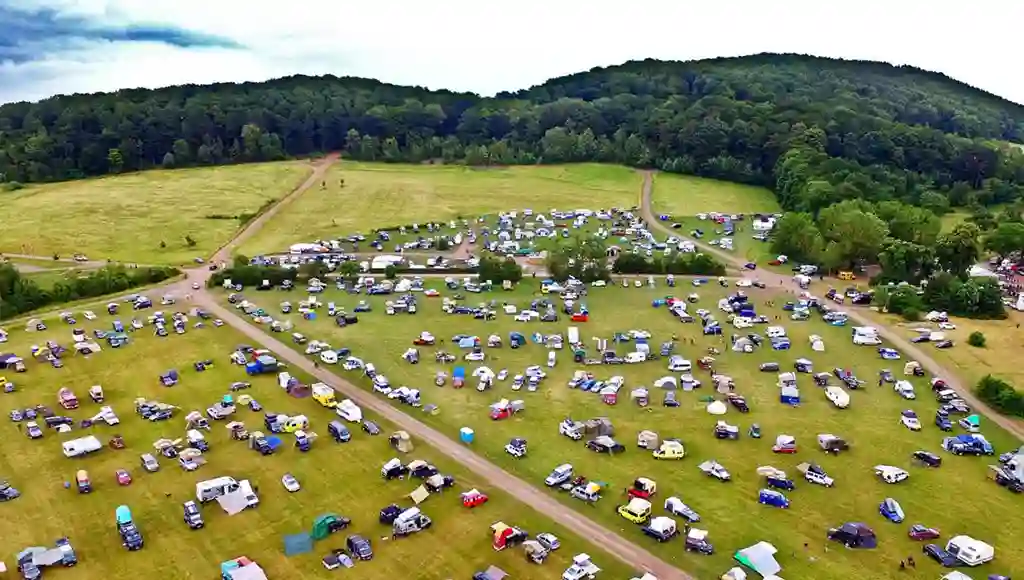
(319, 169)
(783, 282)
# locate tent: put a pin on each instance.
(598, 426)
(789, 395)
(234, 502)
(760, 558)
(494, 573)
(817, 344)
(666, 383)
(420, 494)
(717, 408)
(956, 575)
(401, 441)
(743, 344)
(468, 341)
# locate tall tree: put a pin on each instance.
(958, 250)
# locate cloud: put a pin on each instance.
(484, 47)
(29, 34)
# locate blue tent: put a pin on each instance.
(789, 396)
(274, 441)
(537, 338)
(123, 514)
(467, 342)
(459, 373)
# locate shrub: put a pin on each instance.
(391, 271)
(1000, 395)
(912, 315)
(976, 339)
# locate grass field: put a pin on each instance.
(340, 478)
(125, 218)
(744, 245)
(729, 511)
(684, 195)
(380, 195)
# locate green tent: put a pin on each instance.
(327, 524)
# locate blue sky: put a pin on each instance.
(51, 47)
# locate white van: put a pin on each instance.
(81, 447)
(551, 358)
(839, 397)
(678, 364)
(211, 489)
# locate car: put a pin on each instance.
(909, 420)
(921, 533)
(942, 421)
(123, 477)
(195, 286)
(559, 475)
(359, 547)
(371, 428)
(290, 483)
(675, 506)
(605, 444)
(927, 458)
(937, 553)
(149, 463)
(549, 541)
(192, 516)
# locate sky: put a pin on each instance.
(50, 47)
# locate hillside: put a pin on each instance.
(816, 130)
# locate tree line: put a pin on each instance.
(818, 131)
(19, 294)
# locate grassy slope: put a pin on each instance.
(684, 195)
(126, 217)
(380, 195)
(337, 478)
(871, 425)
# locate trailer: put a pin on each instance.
(81, 447)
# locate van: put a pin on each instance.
(551, 358)
(211, 489)
(338, 431)
(679, 364)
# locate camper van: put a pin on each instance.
(212, 489)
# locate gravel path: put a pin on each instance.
(785, 283)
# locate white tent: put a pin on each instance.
(817, 344)
(760, 558)
(743, 344)
(666, 383)
(717, 408)
(234, 502)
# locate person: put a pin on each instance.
(910, 560)
(903, 565)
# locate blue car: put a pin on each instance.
(891, 510)
(772, 498)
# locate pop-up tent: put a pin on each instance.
(760, 558)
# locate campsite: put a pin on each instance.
(870, 423)
(335, 478)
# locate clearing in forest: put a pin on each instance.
(380, 195)
(685, 195)
(125, 218)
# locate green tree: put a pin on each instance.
(935, 202)
(349, 270)
(796, 235)
(115, 160)
(391, 271)
(182, 151)
(958, 250)
(1006, 240)
(906, 261)
(852, 235)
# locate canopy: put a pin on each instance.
(123, 514)
(717, 408)
(760, 558)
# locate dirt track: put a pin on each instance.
(785, 283)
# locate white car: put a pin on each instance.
(890, 474)
(290, 483)
(744, 283)
(474, 356)
(195, 285)
(947, 326)
(523, 316)
(910, 421)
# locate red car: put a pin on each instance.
(123, 477)
(473, 498)
(920, 532)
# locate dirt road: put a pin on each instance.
(319, 169)
(785, 283)
(530, 495)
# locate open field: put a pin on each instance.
(382, 195)
(125, 218)
(871, 425)
(684, 195)
(340, 478)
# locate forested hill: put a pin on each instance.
(818, 131)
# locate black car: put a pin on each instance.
(192, 516)
(935, 552)
(359, 548)
(131, 537)
(605, 445)
(389, 514)
(371, 427)
(928, 458)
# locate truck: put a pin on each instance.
(81, 447)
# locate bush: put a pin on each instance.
(698, 264)
(900, 300)
(497, 270)
(911, 315)
(976, 339)
(1000, 395)
(22, 295)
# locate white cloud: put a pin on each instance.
(488, 46)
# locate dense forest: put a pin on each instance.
(818, 131)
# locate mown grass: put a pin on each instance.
(730, 511)
(125, 218)
(382, 195)
(685, 195)
(340, 478)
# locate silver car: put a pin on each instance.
(149, 463)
